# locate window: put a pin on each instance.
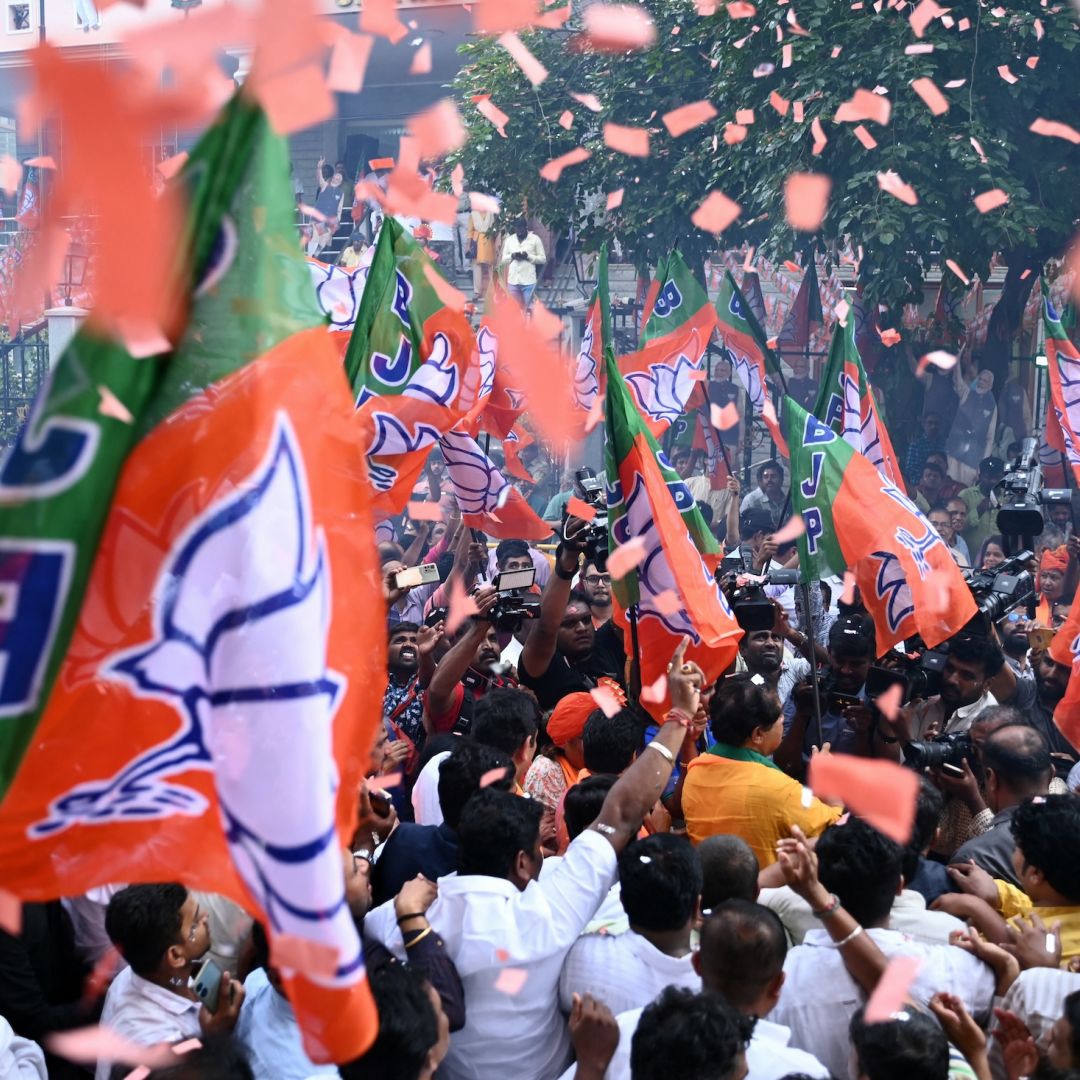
(18, 18)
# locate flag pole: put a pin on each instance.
(804, 590)
(635, 657)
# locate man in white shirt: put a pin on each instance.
(660, 884)
(522, 253)
(161, 931)
(769, 494)
(863, 869)
(973, 663)
(508, 933)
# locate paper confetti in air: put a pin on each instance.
(580, 509)
(1006, 74)
(891, 992)
(1056, 129)
(716, 213)
(864, 136)
(462, 606)
(188, 1046)
(744, 116)
(590, 101)
(625, 557)
(554, 168)
(724, 419)
(566, 119)
(891, 183)
(511, 980)
(847, 596)
(633, 141)
(618, 27)
(793, 529)
(687, 117)
(931, 95)
(882, 792)
(614, 199)
(734, 133)
(490, 111)
(110, 405)
(990, 200)
(531, 68)
(889, 702)
(10, 913)
(606, 701)
(806, 199)
(657, 691)
(424, 511)
(493, 776)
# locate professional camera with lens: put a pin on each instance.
(515, 603)
(1022, 495)
(918, 670)
(753, 609)
(591, 491)
(1001, 590)
(952, 749)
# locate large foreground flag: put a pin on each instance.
(193, 641)
(856, 519)
(751, 359)
(664, 372)
(846, 404)
(673, 588)
(1065, 649)
(1063, 365)
(413, 365)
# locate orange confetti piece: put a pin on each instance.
(424, 511)
(687, 117)
(734, 133)
(618, 27)
(744, 116)
(451, 297)
(934, 99)
(438, 130)
(791, 530)
(1032, 62)
(296, 100)
(554, 168)
(348, 62)
(614, 199)
(633, 141)
(490, 111)
(462, 606)
(566, 119)
(806, 199)
(780, 104)
(939, 358)
(990, 200)
(888, 703)
(924, 14)
(580, 509)
(657, 691)
(141, 337)
(739, 9)
(797, 112)
(965, 24)
(1055, 129)
(923, 48)
(865, 105)
(500, 16)
(667, 603)
(820, 139)
(375, 164)
(716, 213)
(847, 596)
(724, 419)
(891, 991)
(87, 1045)
(493, 776)
(10, 913)
(1006, 74)
(110, 405)
(172, 165)
(45, 161)
(421, 61)
(590, 101)
(889, 337)
(297, 953)
(891, 183)
(791, 268)
(511, 980)
(606, 701)
(596, 413)
(864, 136)
(625, 557)
(379, 17)
(954, 267)
(881, 792)
(484, 204)
(530, 67)
(10, 174)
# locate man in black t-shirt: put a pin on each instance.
(563, 652)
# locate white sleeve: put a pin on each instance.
(380, 924)
(576, 887)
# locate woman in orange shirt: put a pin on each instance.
(734, 788)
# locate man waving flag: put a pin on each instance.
(1063, 365)
(846, 404)
(672, 588)
(194, 643)
(663, 374)
(856, 519)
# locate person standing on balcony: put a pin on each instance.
(522, 253)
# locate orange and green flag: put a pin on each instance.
(857, 520)
(413, 365)
(846, 404)
(665, 371)
(1065, 649)
(193, 650)
(1063, 366)
(588, 369)
(672, 589)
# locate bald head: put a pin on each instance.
(1017, 763)
(729, 869)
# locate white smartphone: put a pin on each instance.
(411, 576)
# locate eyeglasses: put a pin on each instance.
(596, 579)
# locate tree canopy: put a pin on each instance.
(998, 68)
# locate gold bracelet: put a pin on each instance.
(419, 937)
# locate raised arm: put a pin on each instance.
(412, 555)
(452, 667)
(636, 791)
(540, 644)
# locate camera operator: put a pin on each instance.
(761, 652)
(758, 547)
(564, 653)
(849, 722)
(982, 503)
(1038, 691)
(972, 664)
(464, 674)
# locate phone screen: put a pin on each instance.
(515, 579)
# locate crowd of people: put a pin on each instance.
(552, 889)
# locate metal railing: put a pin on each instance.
(24, 366)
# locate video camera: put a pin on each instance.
(999, 591)
(944, 750)
(752, 608)
(591, 490)
(515, 603)
(1023, 495)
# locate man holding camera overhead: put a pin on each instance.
(564, 653)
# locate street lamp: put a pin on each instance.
(74, 273)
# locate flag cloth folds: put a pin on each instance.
(856, 519)
(751, 359)
(664, 372)
(1065, 649)
(500, 401)
(1063, 366)
(846, 404)
(648, 502)
(194, 634)
(486, 499)
(412, 363)
(804, 317)
(595, 339)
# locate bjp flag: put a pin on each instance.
(1065, 649)
(1063, 366)
(193, 638)
(856, 519)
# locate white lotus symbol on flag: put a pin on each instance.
(479, 486)
(586, 377)
(663, 390)
(241, 616)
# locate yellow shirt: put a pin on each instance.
(751, 800)
(1014, 901)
